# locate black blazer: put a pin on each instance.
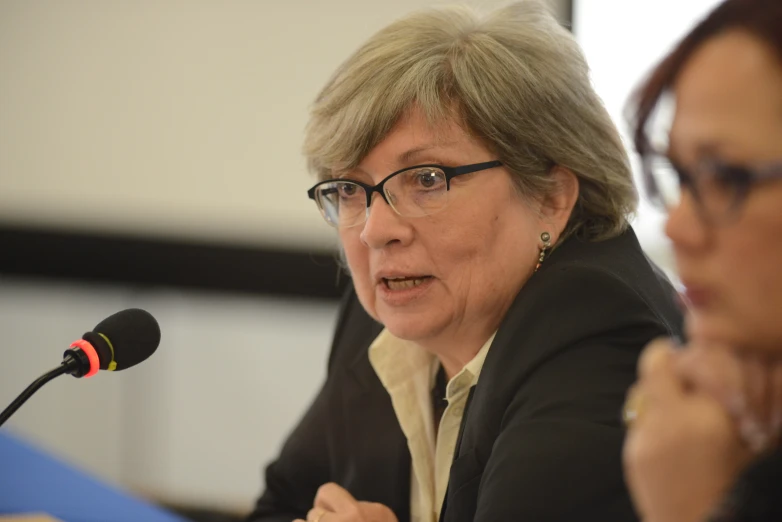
(541, 436)
(757, 494)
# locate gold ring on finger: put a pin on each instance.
(633, 407)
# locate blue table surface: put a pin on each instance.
(32, 481)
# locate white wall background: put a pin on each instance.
(174, 117)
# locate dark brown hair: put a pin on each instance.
(761, 18)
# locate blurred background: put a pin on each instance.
(150, 157)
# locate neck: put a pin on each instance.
(453, 366)
(455, 356)
(460, 342)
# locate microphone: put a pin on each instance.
(118, 342)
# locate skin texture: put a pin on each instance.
(705, 411)
(333, 503)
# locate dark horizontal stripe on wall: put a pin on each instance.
(179, 264)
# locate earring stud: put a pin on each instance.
(545, 237)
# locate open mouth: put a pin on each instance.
(403, 283)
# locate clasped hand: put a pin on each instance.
(334, 504)
(705, 412)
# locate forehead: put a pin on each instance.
(414, 133)
(728, 93)
(415, 139)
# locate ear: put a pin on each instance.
(556, 208)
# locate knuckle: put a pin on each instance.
(654, 357)
(353, 513)
(324, 491)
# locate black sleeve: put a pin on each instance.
(302, 466)
(757, 494)
(558, 454)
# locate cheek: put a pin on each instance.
(357, 257)
(459, 243)
(759, 269)
(751, 267)
(486, 248)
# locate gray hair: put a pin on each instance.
(514, 79)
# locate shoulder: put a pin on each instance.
(604, 284)
(586, 315)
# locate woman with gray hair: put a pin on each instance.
(499, 298)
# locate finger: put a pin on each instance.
(650, 352)
(376, 512)
(716, 371)
(317, 514)
(333, 497)
(657, 373)
(633, 405)
(741, 385)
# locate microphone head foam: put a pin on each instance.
(125, 339)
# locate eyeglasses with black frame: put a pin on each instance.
(416, 191)
(719, 189)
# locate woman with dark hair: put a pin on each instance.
(706, 419)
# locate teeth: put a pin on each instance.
(401, 284)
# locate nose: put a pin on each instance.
(384, 226)
(686, 227)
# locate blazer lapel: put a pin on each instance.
(372, 425)
(457, 449)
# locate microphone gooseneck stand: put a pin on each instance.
(69, 365)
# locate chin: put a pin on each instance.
(405, 332)
(408, 328)
(709, 327)
(727, 331)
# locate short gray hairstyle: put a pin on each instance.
(514, 79)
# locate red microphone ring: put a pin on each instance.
(92, 355)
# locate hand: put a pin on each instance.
(334, 504)
(749, 388)
(684, 450)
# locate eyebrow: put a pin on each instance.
(406, 158)
(409, 156)
(710, 148)
(704, 149)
